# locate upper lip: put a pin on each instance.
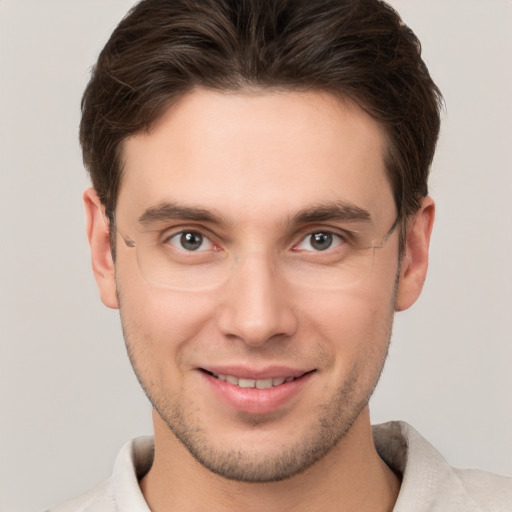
(269, 372)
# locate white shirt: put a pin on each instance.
(428, 482)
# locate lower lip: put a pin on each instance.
(253, 400)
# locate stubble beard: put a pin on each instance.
(247, 464)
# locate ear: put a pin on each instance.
(413, 268)
(99, 242)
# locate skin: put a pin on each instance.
(256, 159)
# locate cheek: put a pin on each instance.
(355, 325)
(351, 312)
(157, 322)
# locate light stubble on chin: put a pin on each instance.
(247, 464)
(250, 465)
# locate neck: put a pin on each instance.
(351, 477)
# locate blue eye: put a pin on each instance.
(190, 241)
(320, 241)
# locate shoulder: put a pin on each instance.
(430, 483)
(97, 499)
(121, 492)
(489, 491)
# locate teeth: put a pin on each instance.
(264, 383)
(254, 383)
(246, 383)
(231, 380)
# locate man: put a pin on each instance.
(259, 212)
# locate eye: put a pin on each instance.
(190, 241)
(320, 241)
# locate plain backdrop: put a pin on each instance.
(68, 400)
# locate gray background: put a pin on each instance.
(68, 400)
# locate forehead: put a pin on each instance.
(256, 153)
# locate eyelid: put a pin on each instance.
(338, 240)
(347, 235)
(220, 241)
(204, 241)
(170, 231)
(164, 236)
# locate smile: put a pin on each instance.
(253, 383)
(256, 392)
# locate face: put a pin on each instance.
(261, 372)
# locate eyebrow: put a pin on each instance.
(172, 211)
(338, 211)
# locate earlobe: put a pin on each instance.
(413, 269)
(99, 242)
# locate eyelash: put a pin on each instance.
(183, 233)
(337, 238)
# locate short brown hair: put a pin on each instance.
(359, 49)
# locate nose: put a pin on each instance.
(256, 306)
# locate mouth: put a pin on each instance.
(256, 391)
(267, 383)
